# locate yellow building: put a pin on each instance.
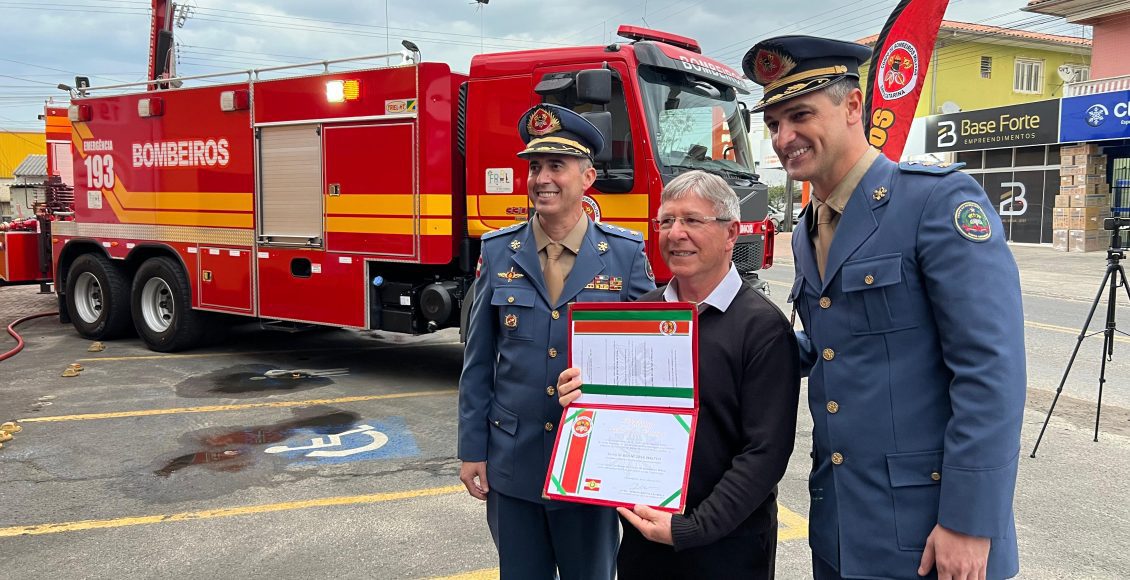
(14, 148)
(975, 66)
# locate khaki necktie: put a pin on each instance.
(554, 278)
(825, 231)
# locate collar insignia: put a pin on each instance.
(880, 193)
(602, 246)
(516, 245)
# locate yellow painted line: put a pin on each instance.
(793, 526)
(224, 408)
(40, 529)
(487, 574)
(256, 352)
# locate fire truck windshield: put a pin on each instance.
(696, 122)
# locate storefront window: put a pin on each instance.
(971, 159)
(998, 158)
(1029, 156)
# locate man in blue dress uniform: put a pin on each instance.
(518, 344)
(913, 336)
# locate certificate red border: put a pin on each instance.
(693, 411)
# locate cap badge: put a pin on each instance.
(771, 65)
(543, 122)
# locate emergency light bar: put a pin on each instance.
(151, 107)
(640, 33)
(235, 100)
(343, 90)
(78, 113)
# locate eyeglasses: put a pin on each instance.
(690, 222)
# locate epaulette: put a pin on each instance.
(506, 230)
(619, 231)
(929, 168)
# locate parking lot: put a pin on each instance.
(332, 452)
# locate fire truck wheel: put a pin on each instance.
(162, 307)
(97, 298)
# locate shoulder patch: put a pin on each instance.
(930, 168)
(971, 222)
(619, 231)
(506, 230)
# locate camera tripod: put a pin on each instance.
(1115, 278)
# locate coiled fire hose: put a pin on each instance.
(19, 339)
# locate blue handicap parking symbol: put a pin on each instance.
(387, 438)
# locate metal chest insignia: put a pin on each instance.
(511, 275)
(511, 321)
(971, 222)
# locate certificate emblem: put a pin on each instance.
(592, 485)
(582, 426)
(667, 327)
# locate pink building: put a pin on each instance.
(1110, 21)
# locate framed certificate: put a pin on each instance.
(628, 439)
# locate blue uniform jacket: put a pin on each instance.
(518, 344)
(914, 345)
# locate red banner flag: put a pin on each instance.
(898, 69)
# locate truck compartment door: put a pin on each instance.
(290, 169)
(372, 200)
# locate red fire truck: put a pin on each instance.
(356, 198)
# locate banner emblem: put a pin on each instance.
(898, 71)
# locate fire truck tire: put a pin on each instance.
(97, 298)
(161, 302)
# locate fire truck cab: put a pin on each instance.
(356, 198)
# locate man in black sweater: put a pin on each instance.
(749, 382)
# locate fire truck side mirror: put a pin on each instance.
(602, 120)
(744, 112)
(594, 86)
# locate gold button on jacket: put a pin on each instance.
(936, 476)
(869, 279)
(555, 314)
(833, 407)
(825, 302)
(550, 391)
(552, 352)
(549, 426)
(837, 458)
(829, 354)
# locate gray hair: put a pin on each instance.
(707, 186)
(585, 163)
(839, 90)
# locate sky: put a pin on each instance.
(51, 41)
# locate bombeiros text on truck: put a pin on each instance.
(357, 198)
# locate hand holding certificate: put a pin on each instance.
(627, 440)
